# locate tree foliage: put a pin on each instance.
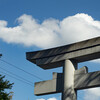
(5, 84)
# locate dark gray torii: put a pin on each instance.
(71, 79)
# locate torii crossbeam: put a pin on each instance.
(71, 79)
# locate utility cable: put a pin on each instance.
(16, 78)
(20, 69)
(16, 75)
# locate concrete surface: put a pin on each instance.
(54, 57)
(82, 80)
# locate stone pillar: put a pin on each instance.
(68, 80)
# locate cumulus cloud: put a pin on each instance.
(92, 94)
(52, 99)
(51, 32)
(48, 99)
(95, 61)
(40, 99)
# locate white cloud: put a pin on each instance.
(40, 99)
(92, 94)
(96, 61)
(50, 32)
(48, 99)
(52, 98)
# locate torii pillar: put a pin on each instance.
(68, 92)
(71, 79)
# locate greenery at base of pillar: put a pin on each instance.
(5, 84)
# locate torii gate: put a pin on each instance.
(71, 79)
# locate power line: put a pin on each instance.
(20, 69)
(16, 78)
(17, 75)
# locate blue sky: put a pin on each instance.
(30, 25)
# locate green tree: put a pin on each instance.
(5, 84)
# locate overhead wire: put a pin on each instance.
(16, 75)
(21, 69)
(16, 78)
